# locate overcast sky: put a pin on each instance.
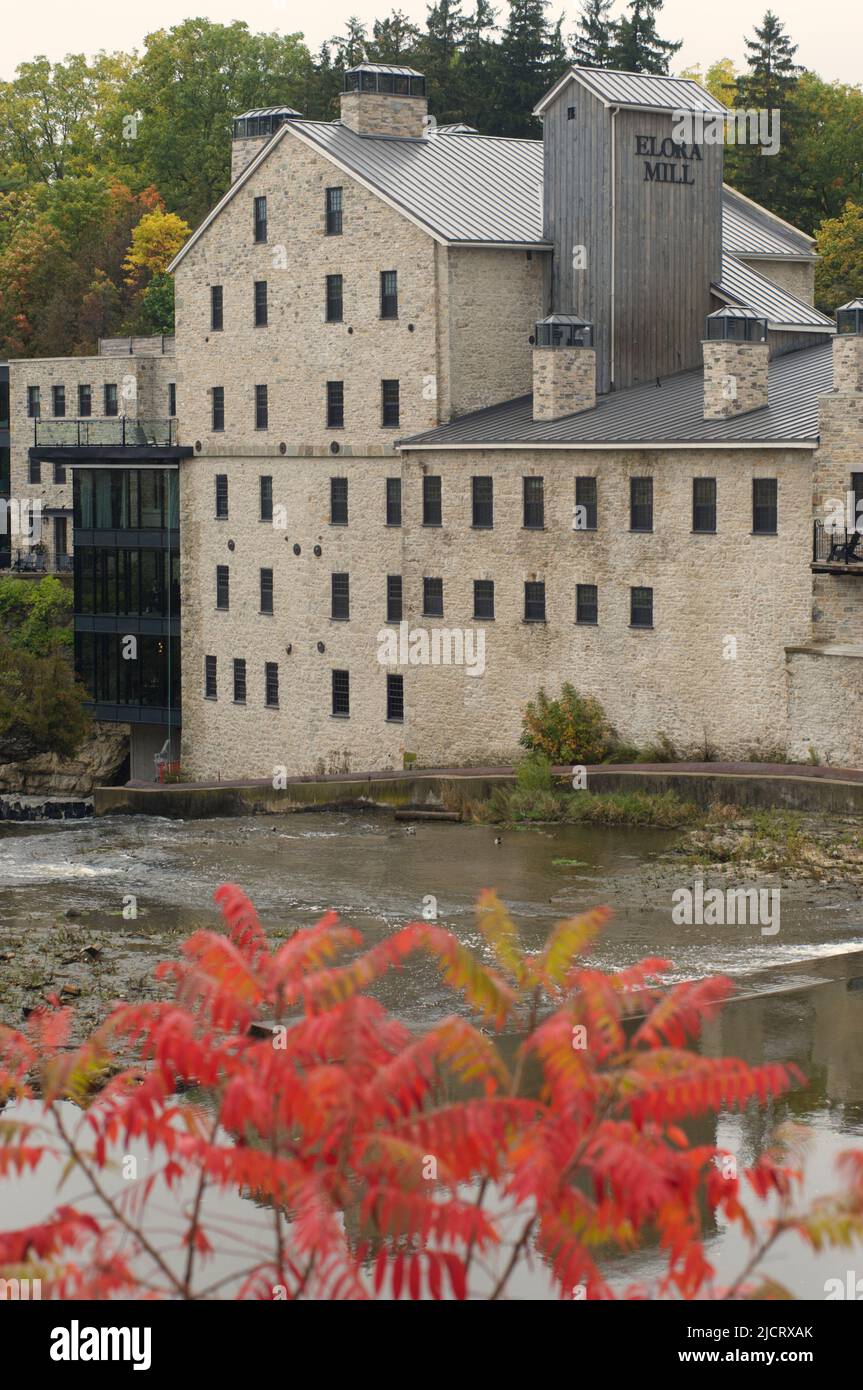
(829, 33)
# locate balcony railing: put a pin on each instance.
(105, 430)
(837, 547)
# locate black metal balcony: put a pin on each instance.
(836, 550)
(114, 431)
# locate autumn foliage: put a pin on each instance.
(392, 1164)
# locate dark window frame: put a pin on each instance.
(487, 617)
(217, 308)
(334, 298)
(338, 501)
(641, 508)
(223, 588)
(479, 504)
(111, 399)
(432, 500)
(271, 684)
(262, 408)
(335, 405)
(435, 610)
(534, 597)
(217, 409)
(340, 597)
(261, 303)
(265, 497)
(259, 219)
(586, 483)
(395, 698)
(85, 401)
(334, 210)
(770, 507)
(340, 694)
(265, 589)
(704, 509)
(389, 294)
(587, 605)
(533, 507)
(240, 682)
(58, 394)
(211, 678)
(34, 403)
(221, 483)
(393, 502)
(395, 599)
(390, 403)
(638, 604)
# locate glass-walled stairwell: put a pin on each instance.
(127, 592)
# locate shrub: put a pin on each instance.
(570, 730)
(331, 1116)
(41, 704)
(662, 810)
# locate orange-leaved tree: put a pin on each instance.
(387, 1162)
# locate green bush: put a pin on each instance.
(661, 810)
(40, 702)
(570, 730)
(36, 617)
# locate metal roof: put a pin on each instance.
(743, 285)
(385, 67)
(750, 230)
(852, 304)
(486, 189)
(636, 89)
(267, 111)
(459, 129)
(672, 413)
(735, 311)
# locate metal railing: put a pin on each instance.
(836, 545)
(125, 431)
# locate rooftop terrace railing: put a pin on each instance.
(125, 431)
(836, 545)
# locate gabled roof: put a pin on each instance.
(741, 284)
(656, 416)
(638, 91)
(753, 231)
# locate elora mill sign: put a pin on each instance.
(668, 161)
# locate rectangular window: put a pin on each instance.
(217, 308)
(433, 598)
(218, 393)
(335, 298)
(389, 403)
(58, 401)
(396, 698)
(483, 598)
(394, 501)
(271, 684)
(585, 603)
(482, 498)
(239, 681)
(334, 211)
(222, 584)
(340, 597)
(34, 407)
(85, 401)
(389, 294)
(221, 496)
(764, 506)
(641, 607)
(210, 685)
(534, 602)
(338, 501)
(34, 471)
(266, 488)
(432, 501)
(335, 404)
(394, 598)
(266, 591)
(260, 217)
(260, 303)
(110, 398)
(59, 473)
(585, 504)
(704, 504)
(534, 504)
(341, 694)
(262, 409)
(172, 398)
(641, 504)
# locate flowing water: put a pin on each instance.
(130, 888)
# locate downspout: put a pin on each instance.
(614, 111)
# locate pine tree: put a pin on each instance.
(436, 54)
(638, 47)
(772, 70)
(476, 67)
(593, 40)
(525, 67)
(769, 86)
(393, 38)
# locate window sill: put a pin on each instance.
(432, 615)
(339, 620)
(764, 534)
(391, 719)
(241, 703)
(212, 698)
(482, 526)
(340, 716)
(587, 622)
(266, 612)
(641, 627)
(477, 618)
(267, 705)
(702, 532)
(641, 530)
(340, 524)
(534, 622)
(432, 525)
(533, 528)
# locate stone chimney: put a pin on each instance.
(380, 99)
(736, 359)
(251, 131)
(848, 348)
(564, 367)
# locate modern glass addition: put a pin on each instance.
(765, 508)
(129, 499)
(704, 504)
(333, 211)
(151, 681)
(125, 581)
(482, 501)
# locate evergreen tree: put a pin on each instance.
(638, 47)
(476, 68)
(525, 63)
(772, 70)
(393, 39)
(769, 86)
(593, 40)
